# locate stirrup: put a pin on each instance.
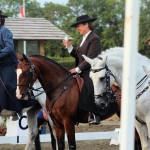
(94, 120)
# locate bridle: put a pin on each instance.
(30, 74)
(109, 94)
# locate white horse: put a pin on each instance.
(147, 72)
(110, 64)
(32, 113)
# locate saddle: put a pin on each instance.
(80, 82)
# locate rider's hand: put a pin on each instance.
(67, 43)
(73, 70)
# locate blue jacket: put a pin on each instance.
(8, 77)
(7, 54)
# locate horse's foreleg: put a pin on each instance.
(52, 132)
(143, 133)
(60, 136)
(32, 125)
(70, 131)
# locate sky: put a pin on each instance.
(62, 2)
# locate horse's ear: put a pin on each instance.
(89, 60)
(19, 56)
(25, 58)
(146, 70)
(104, 60)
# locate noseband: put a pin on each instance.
(109, 94)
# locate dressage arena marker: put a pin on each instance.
(79, 137)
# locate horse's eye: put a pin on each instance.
(102, 79)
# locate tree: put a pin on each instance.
(109, 24)
(33, 9)
(10, 7)
(144, 27)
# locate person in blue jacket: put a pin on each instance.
(9, 105)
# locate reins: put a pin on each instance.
(145, 89)
(145, 77)
(67, 79)
(6, 89)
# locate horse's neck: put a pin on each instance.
(115, 65)
(51, 76)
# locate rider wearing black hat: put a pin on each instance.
(89, 45)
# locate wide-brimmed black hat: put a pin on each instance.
(2, 16)
(83, 19)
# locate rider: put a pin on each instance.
(88, 45)
(9, 105)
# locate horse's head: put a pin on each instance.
(27, 77)
(102, 79)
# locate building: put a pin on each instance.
(30, 34)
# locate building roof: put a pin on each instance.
(34, 29)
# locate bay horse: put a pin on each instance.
(106, 69)
(32, 113)
(63, 95)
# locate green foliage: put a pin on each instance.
(144, 27)
(67, 62)
(10, 7)
(109, 24)
(33, 9)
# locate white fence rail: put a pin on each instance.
(79, 137)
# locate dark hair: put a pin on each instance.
(2, 21)
(89, 25)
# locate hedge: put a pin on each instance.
(67, 62)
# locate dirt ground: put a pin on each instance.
(107, 125)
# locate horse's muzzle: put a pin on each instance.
(101, 102)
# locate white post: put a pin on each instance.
(129, 74)
(25, 47)
(24, 42)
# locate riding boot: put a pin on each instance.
(93, 119)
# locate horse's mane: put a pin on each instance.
(118, 52)
(49, 60)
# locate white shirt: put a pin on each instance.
(84, 38)
(71, 48)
